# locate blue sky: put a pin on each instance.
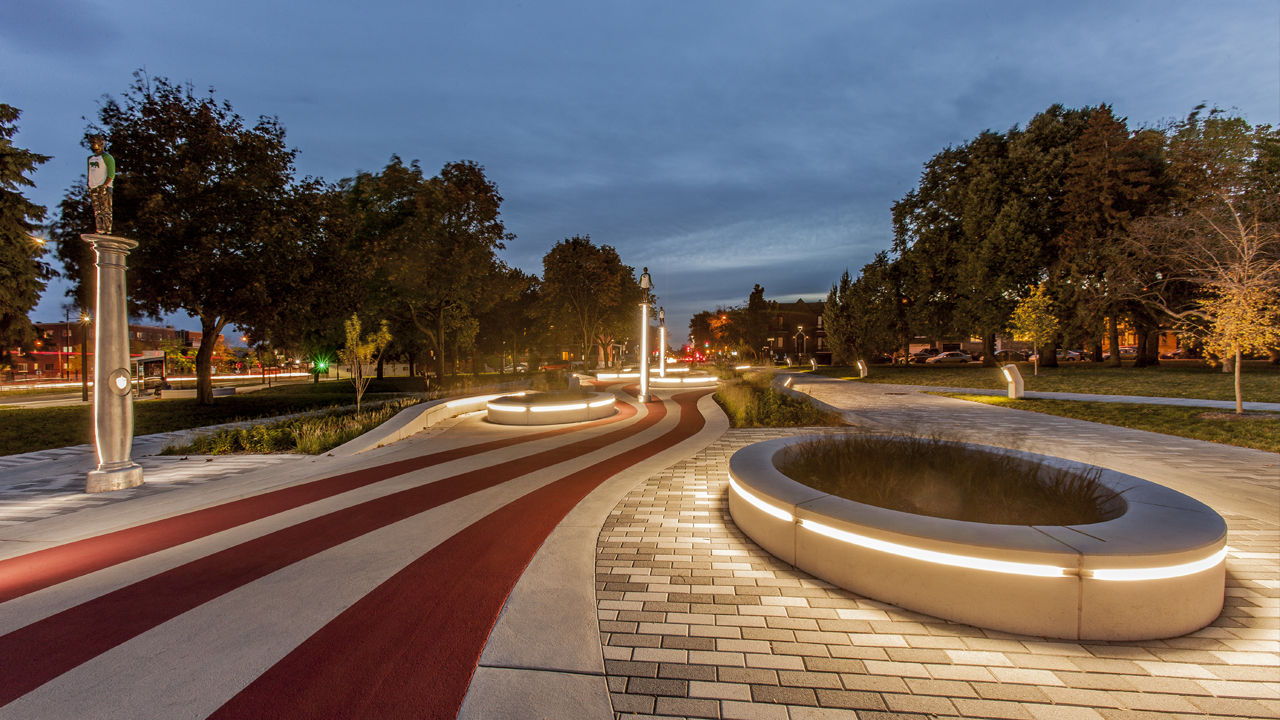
(722, 144)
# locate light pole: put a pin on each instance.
(662, 343)
(645, 284)
(84, 352)
(803, 339)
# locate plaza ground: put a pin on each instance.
(581, 571)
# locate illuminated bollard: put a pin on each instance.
(1015, 380)
(863, 370)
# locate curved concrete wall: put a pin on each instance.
(511, 410)
(1156, 571)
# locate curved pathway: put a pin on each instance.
(371, 586)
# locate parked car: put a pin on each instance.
(1011, 356)
(952, 356)
(1063, 356)
(920, 356)
(1125, 351)
(881, 359)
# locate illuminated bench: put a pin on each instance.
(688, 381)
(550, 408)
(1156, 571)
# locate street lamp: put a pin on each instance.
(645, 284)
(662, 343)
(804, 339)
(85, 319)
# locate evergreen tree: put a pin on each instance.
(22, 273)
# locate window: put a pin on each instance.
(819, 322)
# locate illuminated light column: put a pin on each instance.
(662, 343)
(112, 381)
(644, 336)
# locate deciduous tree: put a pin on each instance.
(209, 199)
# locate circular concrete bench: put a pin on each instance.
(683, 381)
(1156, 571)
(551, 408)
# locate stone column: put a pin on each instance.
(112, 380)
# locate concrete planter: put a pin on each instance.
(1156, 571)
(683, 381)
(551, 408)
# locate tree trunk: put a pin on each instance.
(1148, 338)
(210, 329)
(440, 349)
(1048, 356)
(1239, 401)
(989, 350)
(379, 367)
(1113, 342)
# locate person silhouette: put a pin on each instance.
(102, 176)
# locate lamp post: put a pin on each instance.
(84, 352)
(662, 343)
(645, 284)
(803, 339)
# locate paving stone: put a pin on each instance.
(696, 580)
(992, 709)
(687, 707)
(783, 695)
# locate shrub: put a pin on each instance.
(940, 478)
(751, 401)
(307, 435)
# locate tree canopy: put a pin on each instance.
(22, 272)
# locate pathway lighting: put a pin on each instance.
(645, 284)
(662, 343)
(1014, 378)
(863, 370)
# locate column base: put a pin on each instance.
(107, 478)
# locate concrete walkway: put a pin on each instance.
(1087, 397)
(589, 573)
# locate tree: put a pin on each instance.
(211, 201)
(1218, 249)
(866, 316)
(22, 273)
(1114, 177)
(362, 350)
(590, 290)
(979, 229)
(1033, 319)
(434, 242)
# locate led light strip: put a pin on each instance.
(1004, 566)
(743, 367)
(1160, 573)
(555, 408)
(599, 403)
(936, 557)
(508, 408)
(776, 512)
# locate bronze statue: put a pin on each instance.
(102, 176)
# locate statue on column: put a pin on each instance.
(102, 176)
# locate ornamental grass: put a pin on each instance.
(307, 435)
(751, 401)
(945, 479)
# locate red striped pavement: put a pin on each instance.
(408, 648)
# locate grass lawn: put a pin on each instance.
(27, 430)
(1259, 381)
(1258, 434)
